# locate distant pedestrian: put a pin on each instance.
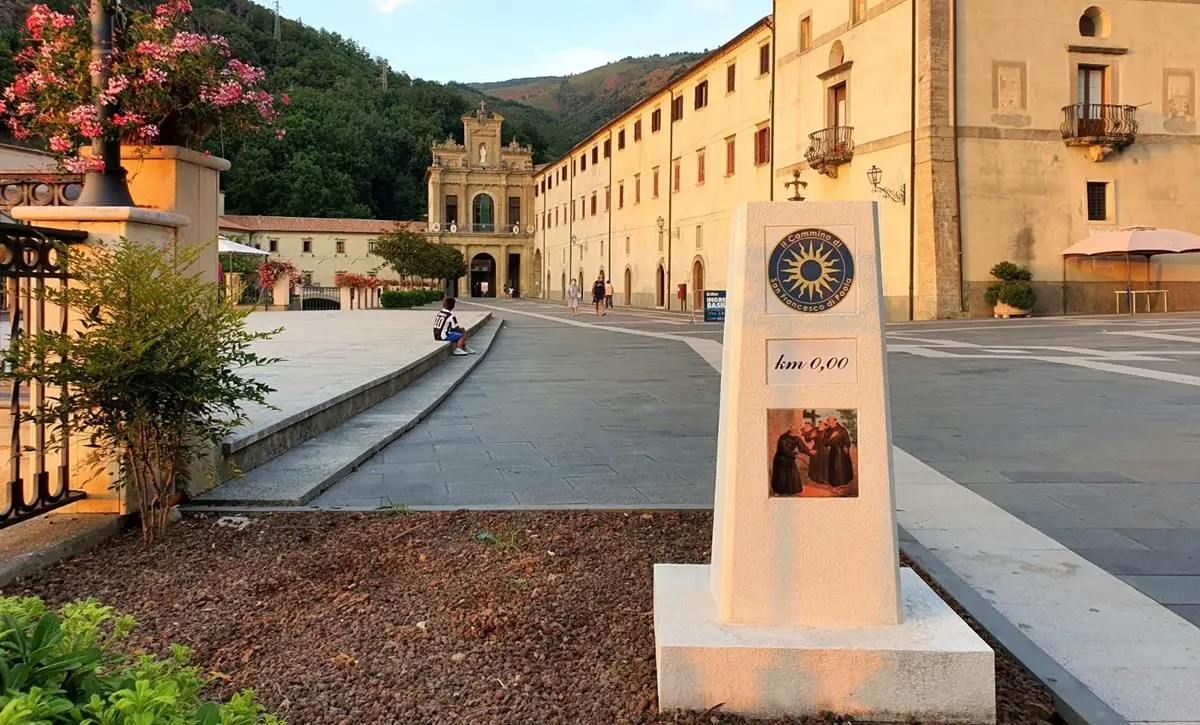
(447, 329)
(598, 296)
(573, 295)
(608, 294)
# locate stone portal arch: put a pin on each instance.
(483, 275)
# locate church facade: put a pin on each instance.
(481, 202)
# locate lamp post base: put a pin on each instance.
(106, 188)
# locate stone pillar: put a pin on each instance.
(346, 298)
(281, 294)
(804, 608)
(106, 226)
(178, 180)
(501, 268)
(938, 289)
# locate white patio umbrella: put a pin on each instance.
(1133, 242)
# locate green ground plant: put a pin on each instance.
(74, 667)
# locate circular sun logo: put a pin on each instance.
(811, 270)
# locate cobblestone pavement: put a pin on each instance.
(1085, 428)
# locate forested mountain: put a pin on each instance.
(587, 100)
(356, 146)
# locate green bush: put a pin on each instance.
(73, 667)
(1014, 289)
(155, 377)
(395, 300)
(1009, 272)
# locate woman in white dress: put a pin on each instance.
(573, 294)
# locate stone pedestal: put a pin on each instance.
(803, 609)
(181, 181)
(105, 226)
(929, 668)
(281, 294)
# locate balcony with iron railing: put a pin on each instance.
(38, 188)
(829, 148)
(1104, 126)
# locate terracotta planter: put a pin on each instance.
(1004, 311)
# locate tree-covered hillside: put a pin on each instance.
(353, 148)
(355, 145)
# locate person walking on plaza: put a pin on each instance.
(573, 297)
(447, 329)
(598, 296)
(608, 294)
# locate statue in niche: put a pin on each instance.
(1179, 115)
(483, 154)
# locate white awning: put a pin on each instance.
(228, 246)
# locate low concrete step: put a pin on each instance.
(254, 447)
(305, 472)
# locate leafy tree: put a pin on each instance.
(448, 263)
(408, 253)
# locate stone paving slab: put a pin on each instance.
(301, 474)
(324, 355)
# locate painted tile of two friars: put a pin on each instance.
(805, 608)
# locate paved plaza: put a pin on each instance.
(1083, 428)
(1048, 463)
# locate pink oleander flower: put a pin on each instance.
(75, 165)
(26, 109)
(248, 73)
(285, 99)
(154, 75)
(280, 133)
(186, 42)
(155, 50)
(127, 119)
(94, 164)
(91, 129)
(80, 114)
(148, 132)
(60, 144)
(173, 8)
(227, 93)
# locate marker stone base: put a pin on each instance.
(930, 667)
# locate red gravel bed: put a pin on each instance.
(523, 618)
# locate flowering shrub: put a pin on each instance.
(356, 281)
(171, 85)
(272, 269)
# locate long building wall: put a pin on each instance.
(629, 168)
(958, 106)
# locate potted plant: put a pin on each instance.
(1013, 295)
(172, 86)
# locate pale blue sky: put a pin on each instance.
(492, 40)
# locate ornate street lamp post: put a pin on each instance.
(107, 187)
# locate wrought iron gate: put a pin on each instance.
(31, 258)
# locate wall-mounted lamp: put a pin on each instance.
(874, 175)
(661, 223)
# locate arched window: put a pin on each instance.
(483, 214)
(837, 54)
(1094, 23)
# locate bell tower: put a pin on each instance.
(482, 136)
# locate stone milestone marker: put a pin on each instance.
(805, 608)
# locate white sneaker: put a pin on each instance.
(470, 350)
(459, 351)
